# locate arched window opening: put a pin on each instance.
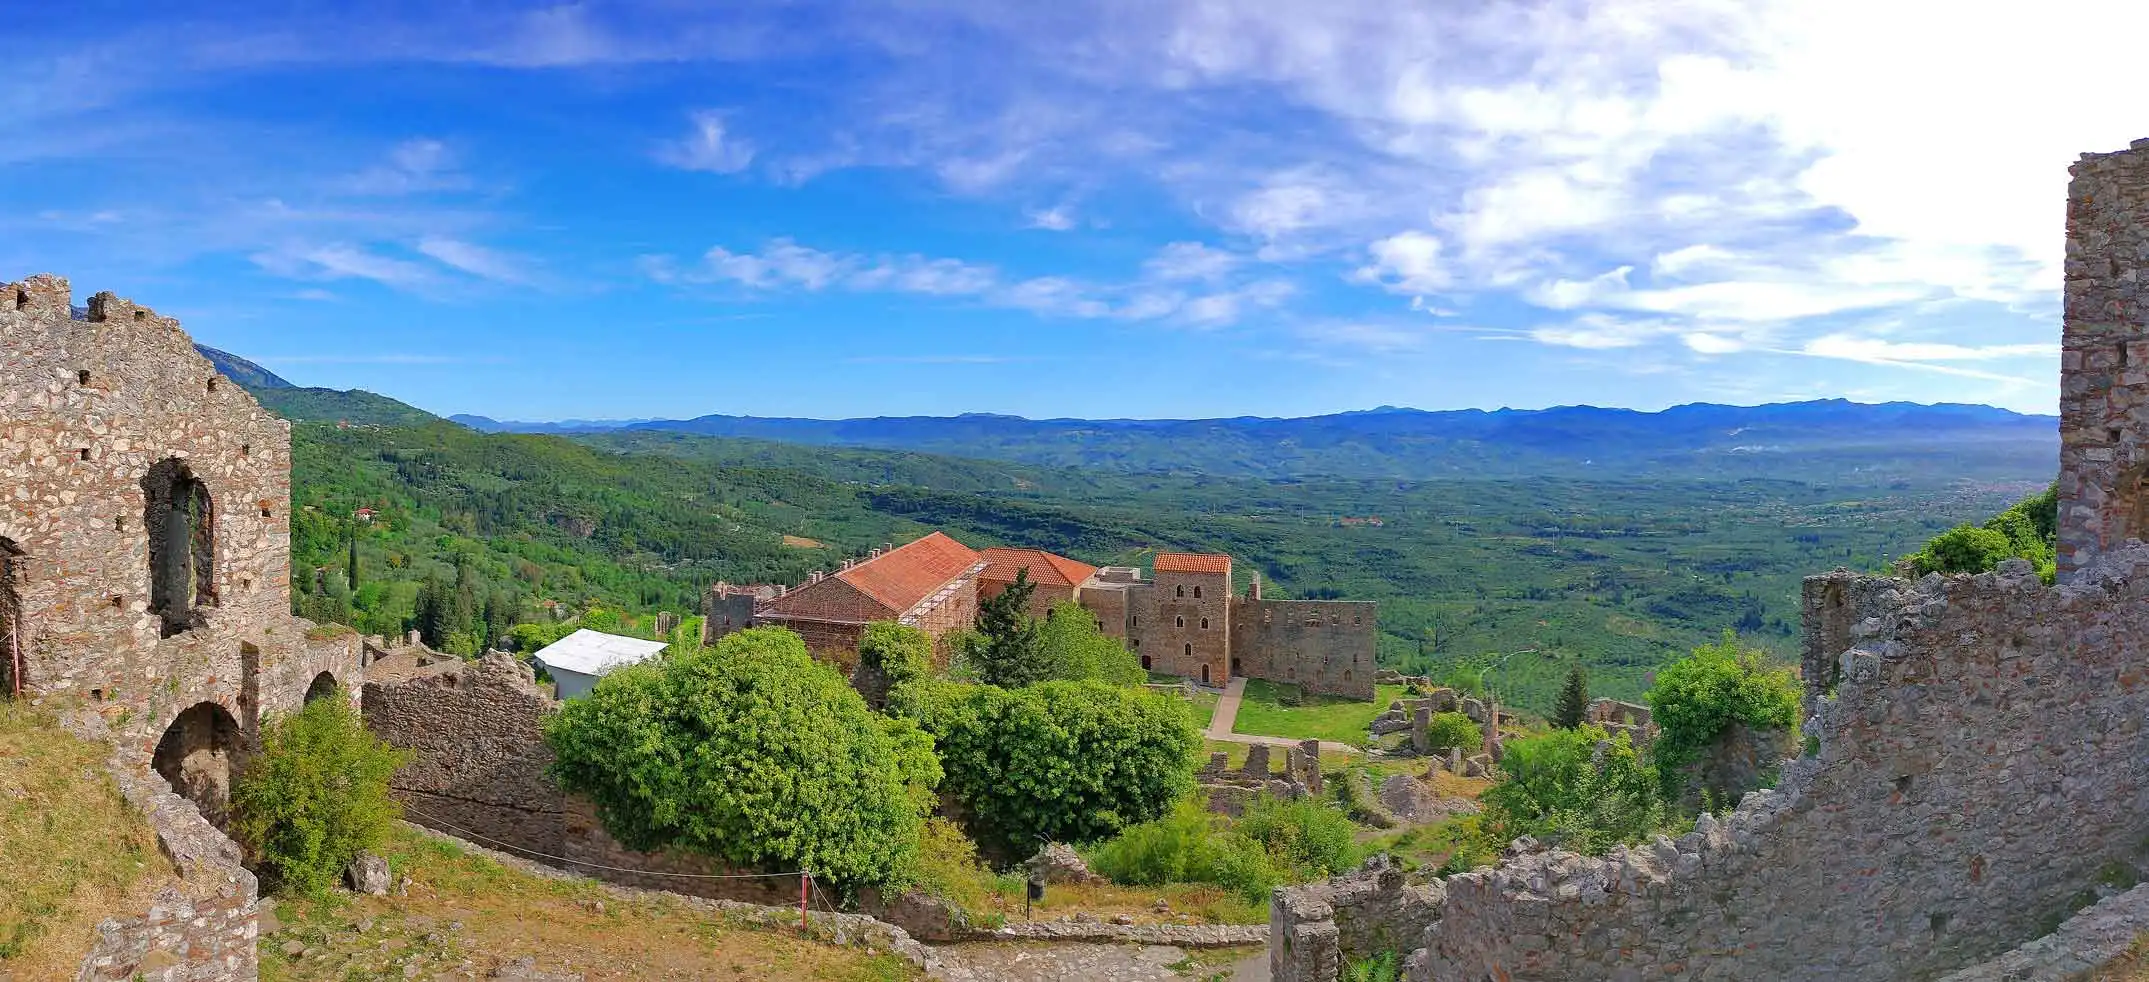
(196, 756)
(180, 519)
(1197, 593)
(14, 651)
(1178, 622)
(1145, 663)
(324, 685)
(1179, 591)
(1190, 650)
(1204, 623)
(1205, 674)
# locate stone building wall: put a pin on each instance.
(92, 414)
(1323, 646)
(1981, 763)
(725, 612)
(1171, 625)
(2104, 359)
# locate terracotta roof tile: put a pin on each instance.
(1001, 565)
(902, 577)
(1192, 562)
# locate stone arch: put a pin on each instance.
(323, 686)
(14, 644)
(196, 755)
(179, 516)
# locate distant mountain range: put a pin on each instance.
(1830, 441)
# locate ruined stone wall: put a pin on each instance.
(1982, 762)
(1110, 606)
(2104, 359)
(723, 613)
(1831, 606)
(1323, 646)
(1315, 929)
(89, 411)
(477, 772)
(200, 929)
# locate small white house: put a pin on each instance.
(578, 660)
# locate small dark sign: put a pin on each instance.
(1037, 890)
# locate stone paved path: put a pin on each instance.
(1086, 962)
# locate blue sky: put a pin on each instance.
(1154, 208)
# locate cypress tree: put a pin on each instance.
(1011, 651)
(1573, 704)
(351, 569)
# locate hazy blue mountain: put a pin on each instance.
(1835, 440)
(250, 376)
(486, 424)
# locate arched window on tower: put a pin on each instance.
(1197, 591)
(180, 520)
(1179, 591)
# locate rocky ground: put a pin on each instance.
(1075, 962)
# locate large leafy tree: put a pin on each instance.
(891, 655)
(1581, 788)
(752, 752)
(1057, 761)
(1697, 697)
(1075, 649)
(1008, 649)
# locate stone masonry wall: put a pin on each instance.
(88, 408)
(477, 772)
(1982, 759)
(201, 929)
(2104, 359)
(1170, 625)
(1323, 646)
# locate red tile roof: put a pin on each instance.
(1002, 564)
(907, 574)
(1192, 562)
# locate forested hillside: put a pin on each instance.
(1618, 575)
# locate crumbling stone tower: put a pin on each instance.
(2104, 361)
(144, 540)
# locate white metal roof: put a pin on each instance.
(589, 652)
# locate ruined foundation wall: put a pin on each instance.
(1323, 646)
(477, 772)
(1982, 759)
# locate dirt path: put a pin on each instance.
(1084, 962)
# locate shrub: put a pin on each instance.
(1450, 730)
(1188, 845)
(315, 796)
(1378, 968)
(948, 868)
(1696, 697)
(1309, 838)
(1059, 761)
(2025, 530)
(890, 655)
(751, 752)
(1581, 789)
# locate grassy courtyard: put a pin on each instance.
(1267, 710)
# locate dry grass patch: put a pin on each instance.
(801, 542)
(467, 913)
(72, 851)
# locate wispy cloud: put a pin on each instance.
(1162, 293)
(479, 261)
(708, 146)
(936, 360)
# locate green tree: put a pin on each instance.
(1446, 731)
(2026, 530)
(752, 752)
(432, 614)
(891, 655)
(1057, 761)
(1581, 789)
(1573, 705)
(1717, 685)
(1075, 649)
(1008, 649)
(316, 795)
(350, 573)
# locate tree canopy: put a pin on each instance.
(316, 795)
(2026, 530)
(752, 752)
(1717, 685)
(1075, 649)
(1057, 761)
(1573, 704)
(1008, 648)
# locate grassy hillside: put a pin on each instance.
(72, 852)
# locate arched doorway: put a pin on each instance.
(324, 685)
(1145, 663)
(196, 754)
(180, 519)
(1205, 673)
(13, 647)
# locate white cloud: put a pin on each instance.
(1057, 219)
(1191, 261)
(338, 261)
(478, 260)
(1407, 262)
(1883, 351)
(708, 146)
(416, 166)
